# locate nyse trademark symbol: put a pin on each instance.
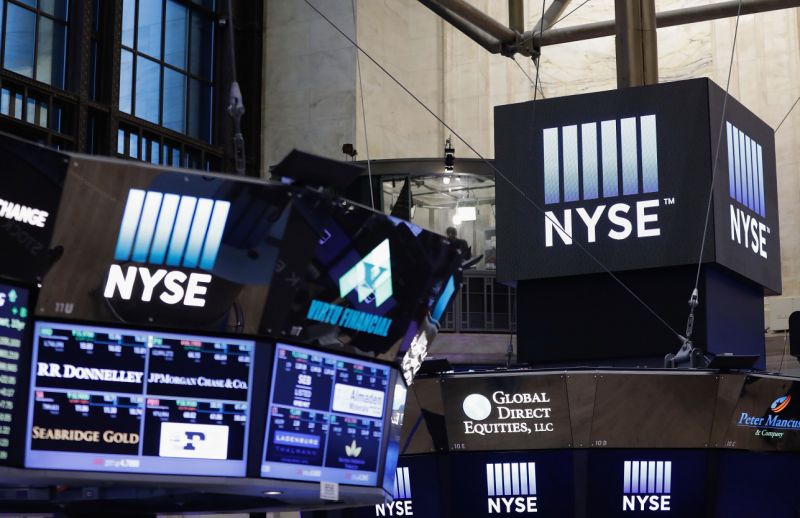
(669, 201)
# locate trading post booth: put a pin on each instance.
(174, 341)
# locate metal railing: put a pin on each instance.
(482, 305)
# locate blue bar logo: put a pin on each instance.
(511, 487)
(402, 484)
(171, 229)
(745, 170)
(370, 277)
(603, 159)
(647, 485)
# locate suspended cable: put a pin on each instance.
(533, 83)
(363, 106)
(716, 153)
(496, 170)
(569, 13)
(787, 114)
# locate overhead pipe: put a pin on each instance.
(477, 35)
(684, 16)
(516, 15)
(480, 19)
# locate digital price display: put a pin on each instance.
(13, 324)
(105, 399)
(326, 418)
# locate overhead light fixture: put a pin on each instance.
(467, 213)
(446, 180)
(449, 155)
(273, 493)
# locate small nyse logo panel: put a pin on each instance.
(489, 484)
(506, 413)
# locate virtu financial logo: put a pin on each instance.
(599, 161)
(370, 277)
(171, 230)
(746, 186)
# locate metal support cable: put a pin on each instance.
(363, 108)
(497, 171)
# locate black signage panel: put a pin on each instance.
(506, 412)
(512, 484)
(14, 344)
(330, 418)
(745, 192)
(766, 416)
(109, 399)
(645, 482)
(357, 280)
(32, 180)
(626, 176)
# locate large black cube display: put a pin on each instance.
(620, 181)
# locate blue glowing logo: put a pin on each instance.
(402, 484)
(171, 229)
(371, 276)
(584, 160)
(647, 477)
(745, 170)
(780, 404)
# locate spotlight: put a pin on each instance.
(449, 155)
(349, 150)
(446, 180)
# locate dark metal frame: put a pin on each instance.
(89, 104)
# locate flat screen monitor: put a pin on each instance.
(327, 418)
(14, 321)
(125, 400)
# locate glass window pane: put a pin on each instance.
(57, 8)
(148, 88)
(154, 149)
(121, 141)
(149, 28)
(133, 150)
(17, 106)
(51, 52)
(176, 157)
(5, 101)
(43, 115)
(125, 81)
(30, 110)
(175, 34)
(31, 3)
(128, 19)
(174, 109)
(20, 37)
(57, 118)
(201, 55)
(199, 110)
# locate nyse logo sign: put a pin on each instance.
(370, 277)
(647, 485)
(511, 487)
(167, 230)
(592, 161)
(746, 186)
(402, 504)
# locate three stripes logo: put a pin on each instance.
(371, 276)
(401, 505)
(170, 229)
(584, 163)
(746, 186)
(647, 485)
(511, 487)
(599, 161)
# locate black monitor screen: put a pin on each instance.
(106, 399)
(13, 331)
(326, 418)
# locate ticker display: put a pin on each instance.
(13, 327)
(107, 399)
(326, 418)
